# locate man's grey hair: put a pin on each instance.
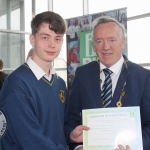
(107, 19)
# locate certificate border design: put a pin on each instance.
(134, 112)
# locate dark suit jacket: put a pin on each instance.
(86, 94)
(3, 75)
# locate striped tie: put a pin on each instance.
(106, 93)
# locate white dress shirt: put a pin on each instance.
(37, 70)
(116, 69)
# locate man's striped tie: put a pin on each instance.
(106, 93)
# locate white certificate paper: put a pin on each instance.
(110, 127)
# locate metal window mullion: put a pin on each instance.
(138, 17)
(33, 8)
(14, 31)
(85, 7)
(50, 5)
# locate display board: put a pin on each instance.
(79, 40)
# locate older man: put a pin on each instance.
(90, 90)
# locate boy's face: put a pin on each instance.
(47, 44)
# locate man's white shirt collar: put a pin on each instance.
(116, 67)
(38, 72)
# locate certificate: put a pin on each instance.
(110, 127)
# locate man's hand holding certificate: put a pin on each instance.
(110, 127)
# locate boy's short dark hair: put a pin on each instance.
(55, 21)
(1, 64)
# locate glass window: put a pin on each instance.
(12, 49)
(28, 46)
(3, 15)
(3, 22)
(138, 40)
(62, 74)
(27, 15)
(59, 62)
(15, 14)
(15, 19)
(8, 71)
(134, 7)
(68, 8)
(41, 6)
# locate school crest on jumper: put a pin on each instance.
(61, 95)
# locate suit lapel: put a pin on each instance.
(122, 79)
(95, 79)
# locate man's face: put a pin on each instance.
(108, 43)
(47, 44)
